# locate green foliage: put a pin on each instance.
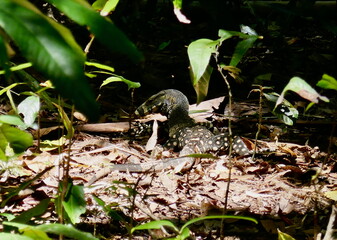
(28, 232)
(107, 70)
(13, 141)
(38, 210)
(105, 6)
(30, 108)
(23, 186)
(284, 236)
(74, 202)
(303, 89)
(327, 82)
(52, 49)
(201, 51)
(184, 231)
(285, 111)
(103, 29)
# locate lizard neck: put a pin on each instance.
(178, 118)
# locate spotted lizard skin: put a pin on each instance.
(183, 131)
(184, 135)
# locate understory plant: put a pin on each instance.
(51, 49)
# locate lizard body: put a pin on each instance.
(184, 135)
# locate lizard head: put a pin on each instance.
(164, 102)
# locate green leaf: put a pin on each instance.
(99, 4)
(302, 88)
(100, 66)
(121, 79)
(285, 110)
(11, 236)
(30, 108)
(4, 90)
(8, 216)
(48, 145)
(178, 4)
(103, 29)
(34, 233)
(199, 54)
(66, 121)
(201, 87)
(33, 212)
(184, 233)
(52, 50)
(66, 230)
(18, 67)
(154, 225)
(18, 140)
(284, 236)
(217, 217)
(241, 49)
(224, 35)
(109, 7)
(327, 82)
(75, 204)
(59, 229)
(12, 120)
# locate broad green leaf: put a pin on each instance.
(38, 210)
(103, 29)
(58, 229)
(241, 49)
(66, 230)
(302, 88)
(121, 79)
(30, 108)
(201, 87)
(185, 233)
(75, 204)
(224, 35)
(17, 139)
(98, 5)
(35, 233)
(17, 225)
(199, 54)
(8, 216)
(327, 82)
(52, 50)
(12, 120)
(154, 225)
(48, 145)
(11, 236)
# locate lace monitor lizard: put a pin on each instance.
(184, 134)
